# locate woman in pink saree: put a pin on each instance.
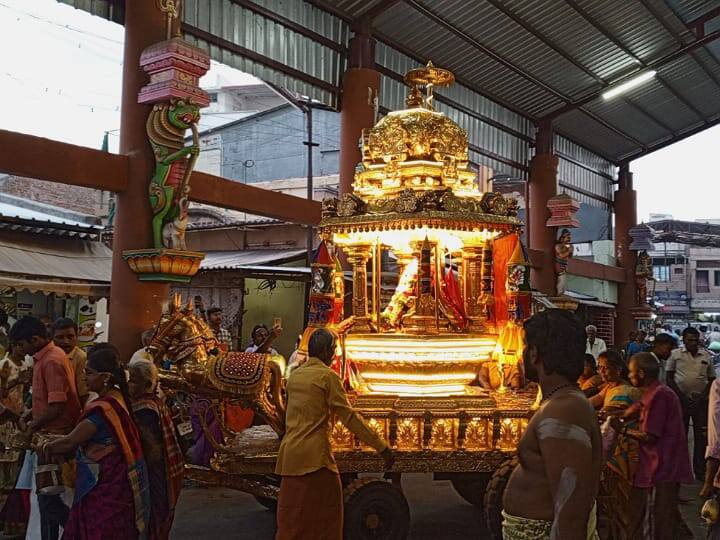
(111, 489)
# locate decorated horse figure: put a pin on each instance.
(255, 380)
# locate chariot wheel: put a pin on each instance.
(375, 509)
(268, 502)
(471, 487)
(493, 504)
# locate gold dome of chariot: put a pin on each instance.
(416, 148)
(415, 173)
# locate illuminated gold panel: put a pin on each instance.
(380, 427)
(444, 434)
(409, 434)
(402, 240)
(417, 365)
(511, 429)
(341, 437)
(478, 434)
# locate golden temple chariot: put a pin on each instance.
(427, 365)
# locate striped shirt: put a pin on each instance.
(224, 339)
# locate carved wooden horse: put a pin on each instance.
(255, 380)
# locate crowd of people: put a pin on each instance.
(106, 461)
(612, 432)
(604, 456)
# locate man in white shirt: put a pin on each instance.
(594, 345)
(690, 373)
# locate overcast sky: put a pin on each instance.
(60, 76)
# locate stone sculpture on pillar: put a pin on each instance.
(562, 214)
(563, 253)
(642, 241)
(175, 68)
(643, 274)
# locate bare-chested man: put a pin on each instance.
(551, 493)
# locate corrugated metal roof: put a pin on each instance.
(23, 215)
(233, 260)
(689, 10)
(531, 59)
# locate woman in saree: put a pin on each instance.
(160, 447)
(111, 488)
(615, 396)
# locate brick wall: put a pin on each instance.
(604, 319)
(79, 199)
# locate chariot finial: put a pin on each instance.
(428, 78)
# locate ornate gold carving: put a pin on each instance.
(341, 437)
(349, 205)
(450, 221)
(329, 207)
(509, 433)
(444, 434)
(477, 434)
(495, 204)
(406, 201)
(380, 427)
(409, 434)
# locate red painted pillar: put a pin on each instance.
(625, 207)
(542, 187)
(134, 305)
(358, 106)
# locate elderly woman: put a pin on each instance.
(160, 447)
(111, 494)
(616, 393)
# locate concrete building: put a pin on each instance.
(705, 281)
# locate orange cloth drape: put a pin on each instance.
(503, 249)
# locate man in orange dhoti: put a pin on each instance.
(310, 506)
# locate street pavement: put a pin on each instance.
(437, 513)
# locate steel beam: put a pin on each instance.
(437, 19)
(670, 30)
(259, 58)
(652, 147)
(653, 64)
(291, 25)
(528, 27)
(373, 12)
(394, 44)
(440, 21)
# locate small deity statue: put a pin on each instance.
(563, 252)
(643, 274)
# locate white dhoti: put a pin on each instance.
(520, 528)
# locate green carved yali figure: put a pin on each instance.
(169, 188)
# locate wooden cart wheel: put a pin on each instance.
(268, 502)
(375, 509)
(471, 487)
(494, 498)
